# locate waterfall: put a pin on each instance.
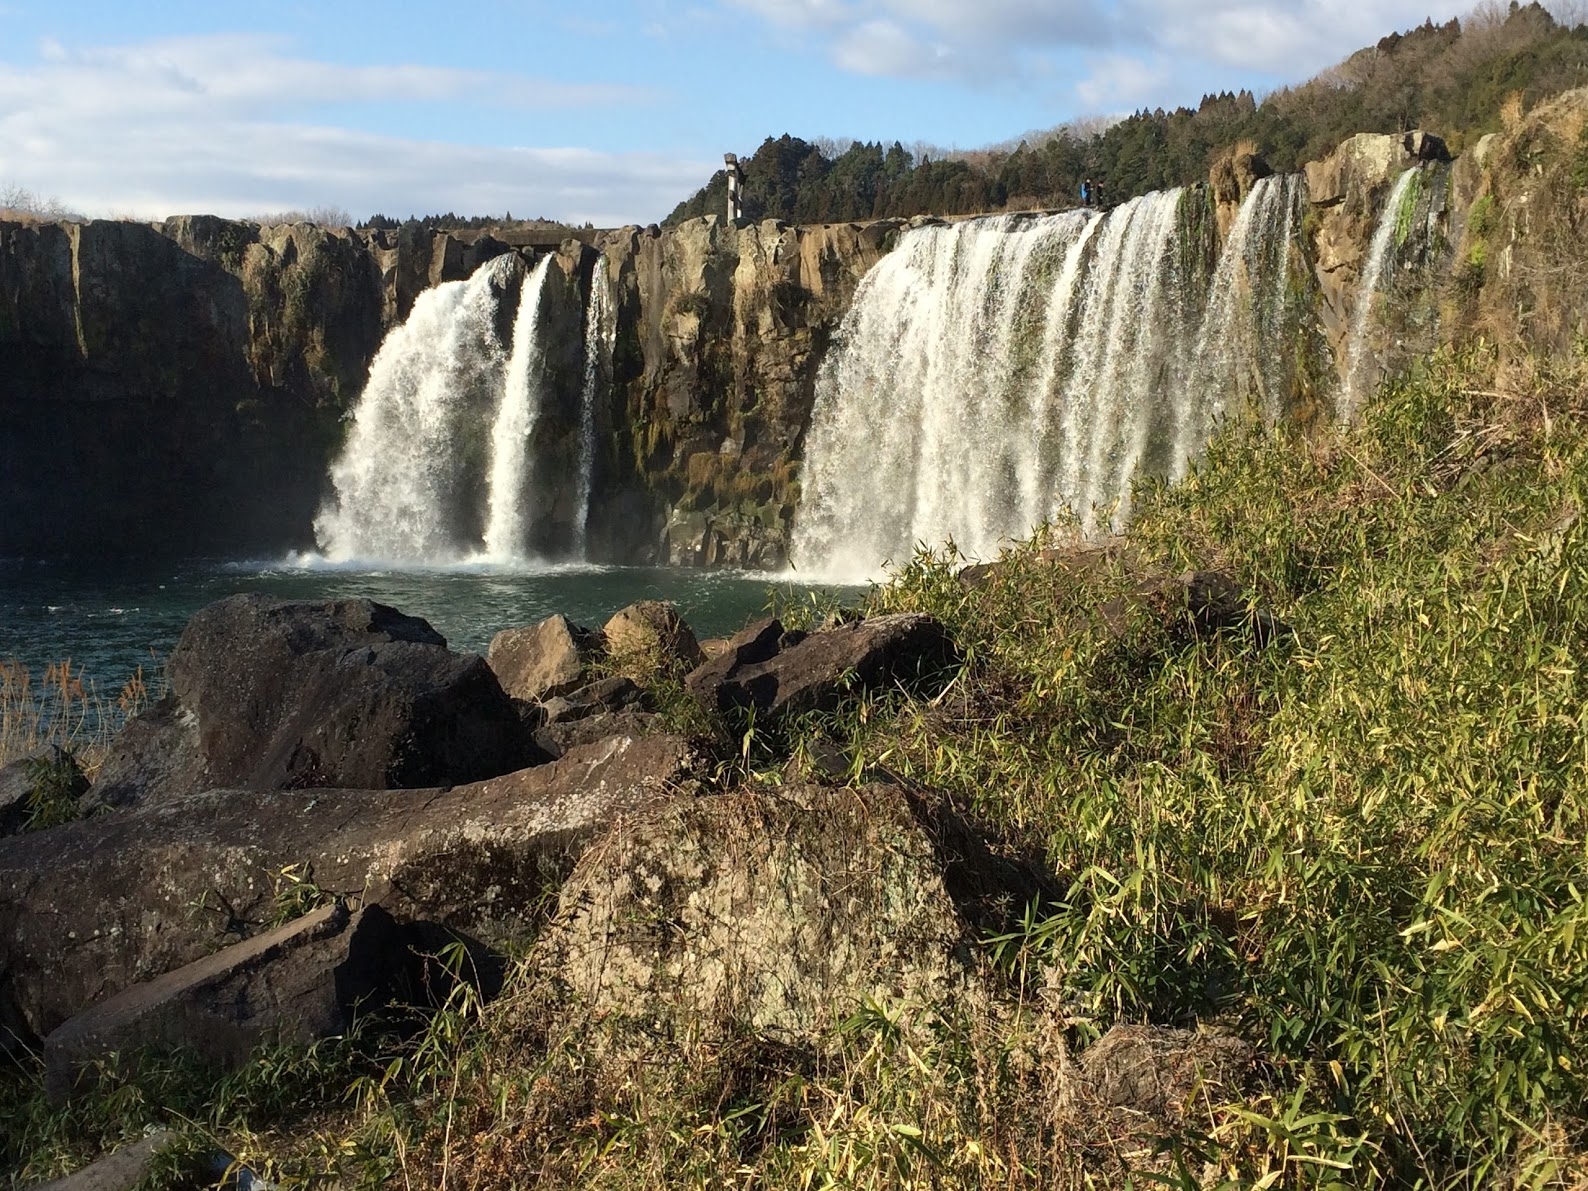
(511, 434)
(1241, 349)
(1354, 378)
(1003, 372)
(401, 483)
(598, 337)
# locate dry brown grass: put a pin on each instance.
(61, 707)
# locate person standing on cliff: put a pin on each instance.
(1086, 193)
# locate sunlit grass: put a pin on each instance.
(1356, 840)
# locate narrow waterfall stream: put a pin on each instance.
(522, 395)
(598, 344)
(1240, 350)
(440, 465)
(998, 373)
(1356, 377)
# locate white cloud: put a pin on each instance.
(934, 38)
(804, 14)
(217, 124)
(1119, 82)
(1291, 38)
(884, 47)
(1140, 40)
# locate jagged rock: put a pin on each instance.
(811, 672)
(1361, 162)
(650, 636)
(544, 660)
(92, 907)
(301, 981)
(777, 912)
(559, 738)
(51, 773)
(754, 643)
(121, 1170)
(597, 698)
(765, 297)
(16, 787)
(269, 694)
(1233, 175)
(1425, 146)
(182, 398)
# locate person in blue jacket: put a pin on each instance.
(1086, 193)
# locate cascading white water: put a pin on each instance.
(514, 427)
(999, 373)
(912, 435)
(397, 482)
(1241, 349)
(598, 337)
(1357, 375)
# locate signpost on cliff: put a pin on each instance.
(735, 177)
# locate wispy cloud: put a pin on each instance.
(1131, 49)
(227, 124)
(934, 38)
(1286, 37)
(1118, 82)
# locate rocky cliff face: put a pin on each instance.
(181, 387)
(178, 388)
(719, 332)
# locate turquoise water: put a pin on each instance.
(111, 620)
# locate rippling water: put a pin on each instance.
(111, 620)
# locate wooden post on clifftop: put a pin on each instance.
(735, 177)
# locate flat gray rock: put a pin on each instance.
(89, 908)
(120, 1170)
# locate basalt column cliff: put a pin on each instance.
(715, 394)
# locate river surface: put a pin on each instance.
(111, 620)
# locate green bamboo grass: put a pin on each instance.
(1358, 841)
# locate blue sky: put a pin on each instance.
(608, 112)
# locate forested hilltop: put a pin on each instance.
(1455, 79)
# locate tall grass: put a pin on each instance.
(1365, 842)
(62, 708)
(1357, 841)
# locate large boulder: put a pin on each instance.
(650, 637)
(757, 642)
(272, 695)
(91, 907)
(1364, 162)
(778, 912)
(301, 981)
(601, 697)
(544, 660)
(774, 674)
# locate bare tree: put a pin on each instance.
(19, 200)
(325, 215)
(1569, 13)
